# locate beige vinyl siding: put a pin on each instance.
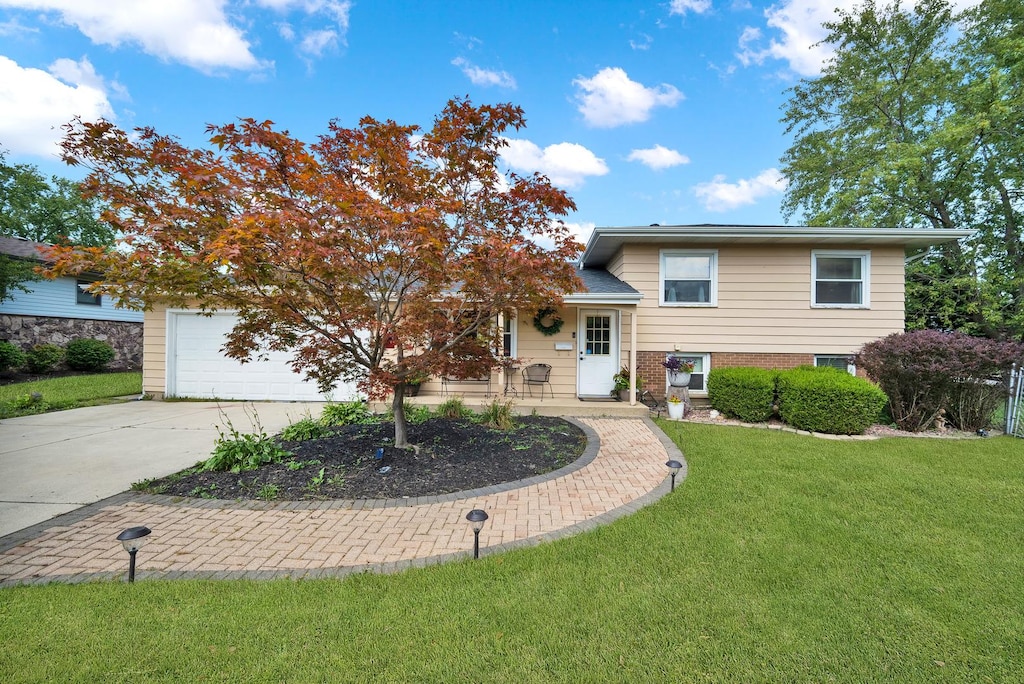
(154, 351)
(535, 347)
(764, 304)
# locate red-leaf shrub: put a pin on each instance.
(926, 372)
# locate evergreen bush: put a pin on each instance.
(831, 402)
(43, 358)
(11, 356)
(87, 354)
(741, 392)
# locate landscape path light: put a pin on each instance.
(674, 466)
(132, 540)
(476, 518)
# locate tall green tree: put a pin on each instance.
(51, 211)
(916, 122)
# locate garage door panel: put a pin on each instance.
(200, 369)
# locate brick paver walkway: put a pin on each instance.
(225, 539)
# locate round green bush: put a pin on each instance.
(43, 358)
(11, 356)
(835, 403)
(88, 354)
(742, 392)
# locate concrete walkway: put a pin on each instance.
(623, 470)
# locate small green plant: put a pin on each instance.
(299, 465)
(43, 358)
(236, 452)
(317, 481)
(205, 491)
(347, 413)
(307, 428)
(499, 415)
(87, 354)
(11, 356)
(453, 409)
(268, 492)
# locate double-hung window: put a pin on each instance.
(689, 277)
(840, 279)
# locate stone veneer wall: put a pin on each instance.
(124, 336)
(650, 369)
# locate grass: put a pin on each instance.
(780, 558)
(66, 392)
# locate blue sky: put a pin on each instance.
(645, 112)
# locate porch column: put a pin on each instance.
(632, 357)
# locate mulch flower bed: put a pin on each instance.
(453, 455)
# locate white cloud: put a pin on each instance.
(658, 157)
(580, 231)
(718, 195)
(799, 27)
(193, 32)
(34, 104)
(642, 45)
(315, 42)
(681, 7)
(566, 164)
(484, 77)
(610, 99)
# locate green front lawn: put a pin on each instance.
(66, 392)
(780, 558)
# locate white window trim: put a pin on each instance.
(864, 256)
(850, 368)
(706, 364)
(514, 329)
(713, 297)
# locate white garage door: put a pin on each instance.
(196, 368)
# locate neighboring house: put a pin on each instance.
(767, 296)
(60, 310)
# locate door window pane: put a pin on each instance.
(599, 335)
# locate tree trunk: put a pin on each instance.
(398, 408)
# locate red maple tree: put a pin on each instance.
(378, 254)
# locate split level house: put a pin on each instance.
(717, 295)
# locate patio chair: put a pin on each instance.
(538, 374)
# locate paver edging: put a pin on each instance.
(591, 451)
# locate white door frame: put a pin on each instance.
(608, 367)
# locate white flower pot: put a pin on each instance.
(679, 379)
(676, 410)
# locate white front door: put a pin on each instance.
(598, 352)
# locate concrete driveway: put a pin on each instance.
(56, 462)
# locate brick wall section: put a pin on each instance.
(653, 373)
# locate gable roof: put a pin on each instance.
(21, 248)
(604, 242)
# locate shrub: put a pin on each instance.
(236, 452)
(835, 403)
(11, 356)
(454, 408)
(347, 413)
(499, 415)
(307, 428)
(88, 354)
(926, 372)
(743, 393)
(43, 358)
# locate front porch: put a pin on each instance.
(557, 406)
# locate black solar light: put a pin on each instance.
(674, 466)
(477, 518)
(132, 540)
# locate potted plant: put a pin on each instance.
(412, 385)
(621, 388)
(679, 370)
(676, 407)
